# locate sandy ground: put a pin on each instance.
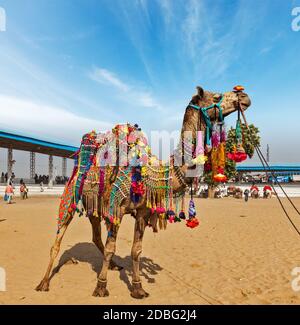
(242, 253)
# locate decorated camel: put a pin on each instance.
(115, 174)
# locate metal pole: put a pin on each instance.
(64, 167)
(268, 153)
(9, 162)
(32, 165)
(50, 171)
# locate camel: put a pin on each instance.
(267, 192)
(235, 192)
(179, 180)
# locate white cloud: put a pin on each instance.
(167, 10)
(45, 122)
(136, 95)
(107, 77)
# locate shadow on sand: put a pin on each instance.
(89, 253)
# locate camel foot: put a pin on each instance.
(114, 266)
(138, 292)
(43, 286)
(101, 290)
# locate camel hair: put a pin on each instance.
(139, 210)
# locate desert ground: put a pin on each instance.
(242, 253)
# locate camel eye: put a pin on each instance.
(217, 97)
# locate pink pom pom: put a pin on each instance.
(160, 210)
(171, 219)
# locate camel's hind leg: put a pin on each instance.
(44, 284)
(96, 226)
(137, 290)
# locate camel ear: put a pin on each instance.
(200, 92)
(198, 96)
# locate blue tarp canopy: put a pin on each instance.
(19, 142)
(279, 168)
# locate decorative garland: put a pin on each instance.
(143, 175)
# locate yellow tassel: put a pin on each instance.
(160, 223)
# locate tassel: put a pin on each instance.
(192, 222)
(182, 215)
(177, 219)
(160, 223)
(192, 209)
(170, 215)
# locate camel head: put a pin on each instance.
(205, 98)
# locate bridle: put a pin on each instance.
(203, 112)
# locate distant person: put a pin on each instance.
(24, 191)
(6, 177)
(267, 192)
(9, 191)
(2, 177)
(254, 191)
(11, 180)
(246, 195)
(42, 186)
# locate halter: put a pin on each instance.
(203, 111)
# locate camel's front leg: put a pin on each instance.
(109, 251)
(96, 226)
(137, 291)
(44, 284)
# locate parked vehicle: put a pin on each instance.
(280, 179)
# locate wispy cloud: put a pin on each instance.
(131, 14)
(213, 44)
(167, 10)
(77, 35)
(107, 77)
(265, 50)
(44, 121)
(130, 93)
(42, 85)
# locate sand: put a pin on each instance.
(242, 253)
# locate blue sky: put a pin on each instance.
(67, 67)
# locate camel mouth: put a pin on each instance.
(245, 101)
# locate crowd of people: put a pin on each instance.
(4, 177)
(222, 191)
(38, 179)
(60, 180)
